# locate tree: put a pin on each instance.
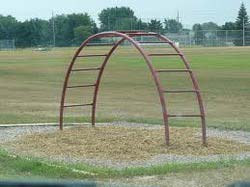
(78, 20)
(210, 32)
(81, 33)
(155, 26)
(62, 30)
(241, 19)
(66, 32)
(8, 26)
(32, 33)
(229, 26)
(198, 34)
(228, 31)
(172, 26)
(117, 18)
(140, 25)
(210, 26)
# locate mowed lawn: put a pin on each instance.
(31, 84)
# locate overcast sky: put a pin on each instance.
(191, 11)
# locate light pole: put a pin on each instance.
(53, 28)
(243, 30)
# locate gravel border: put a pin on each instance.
(14, 132)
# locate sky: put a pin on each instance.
(191, 11)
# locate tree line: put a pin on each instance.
(235, 29)
(72, 29)
(69, 29)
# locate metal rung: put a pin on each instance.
(180, 91)
(130, 31)
(142, 34)
(166, 54)
(152, 42)
(174, 70)
(92, 55)
(86, 69)
(184, 116)
(83, 86)
(70, 106)
(100, 44)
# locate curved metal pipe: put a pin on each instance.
(68, 75)
(154, 73)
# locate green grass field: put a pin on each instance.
(31, 84)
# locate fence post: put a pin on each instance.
(190, 39)
(226, 37)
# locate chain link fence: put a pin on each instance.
(7, 45)
(204, 38)
(211, 38)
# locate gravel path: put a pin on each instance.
(8, 134)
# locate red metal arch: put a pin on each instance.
(155, 73)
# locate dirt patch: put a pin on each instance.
(121, 143)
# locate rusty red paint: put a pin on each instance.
(128, 35)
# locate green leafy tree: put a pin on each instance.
(77, 20)
(125, 24)
(229, 30)
(140, 25)
(117, 18)
(81, 33)
(211, 34)
(198, 34)
(241, 19)
(155, 26)
(172, 26)
(210, 26)
(31, 33)
(229, 26)
(66, 32)
(8, 26)
(62, 30)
